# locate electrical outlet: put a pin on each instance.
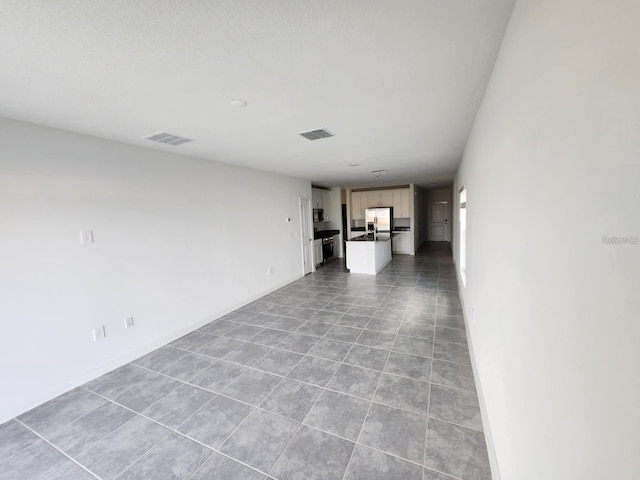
(98, 333)
(269, 270)
(128, 323)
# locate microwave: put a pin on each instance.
(318, 215)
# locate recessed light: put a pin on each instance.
(238, 102)
(378, 173)
(354, 164)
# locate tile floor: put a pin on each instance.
(335, 376)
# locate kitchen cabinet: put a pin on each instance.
(337, 246)
(316, 198)
(326, 200)
(400, 203)
(357, 207)
(379, 198)
(401, 243)
(321, 199)
(373, 198)
(317, 252)
(386, 198)
(398, 198)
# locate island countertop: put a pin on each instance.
(381, 237)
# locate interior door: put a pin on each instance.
(438, 222)
(305, 235)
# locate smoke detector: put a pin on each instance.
(167, 138)
(317, 134)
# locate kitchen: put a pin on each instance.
(329, 230)
(380, 226)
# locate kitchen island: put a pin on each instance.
(368, 255)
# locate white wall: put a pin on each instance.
(552, 165)
(177, 241)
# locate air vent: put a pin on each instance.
(317, 134)
(167, 138)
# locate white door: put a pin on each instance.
(438, 222)
(305, 235)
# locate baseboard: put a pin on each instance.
(493, 459)
(89, 375)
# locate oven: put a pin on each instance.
(327, 249)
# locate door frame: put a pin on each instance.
(306, 237)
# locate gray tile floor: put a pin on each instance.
(335, 376)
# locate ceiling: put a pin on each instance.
(398, 82)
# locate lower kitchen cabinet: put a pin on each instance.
(402, 243)
(317, 252)
(337, 246)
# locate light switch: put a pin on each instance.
(86, 236)
(98, 333)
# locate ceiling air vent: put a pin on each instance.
(167, 138)
(317, 134)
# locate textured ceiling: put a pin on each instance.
(398, 82)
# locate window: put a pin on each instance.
(462, 264)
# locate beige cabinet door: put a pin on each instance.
(401, 203)
(316, 198)
(386, 198)
(357, 210)
(373, 199)
(326, 204)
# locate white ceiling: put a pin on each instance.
(398, 82)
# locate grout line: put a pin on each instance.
(299, 353)
(188, 382)
(58, 449)
(144, 455)
(250, 413)
(178, 433)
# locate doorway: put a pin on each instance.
(439, 222)
(305, 235)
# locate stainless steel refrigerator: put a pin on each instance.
(379, 220)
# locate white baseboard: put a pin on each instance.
(493, 459)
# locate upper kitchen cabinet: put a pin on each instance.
(386, 198)
(398, 198)
(321, 199)
(358, 204)
(400, 203)
(326, 201)
(316, 198)
(379, 198)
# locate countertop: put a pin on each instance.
(382, 237)
(395, 229)
(325, 233)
